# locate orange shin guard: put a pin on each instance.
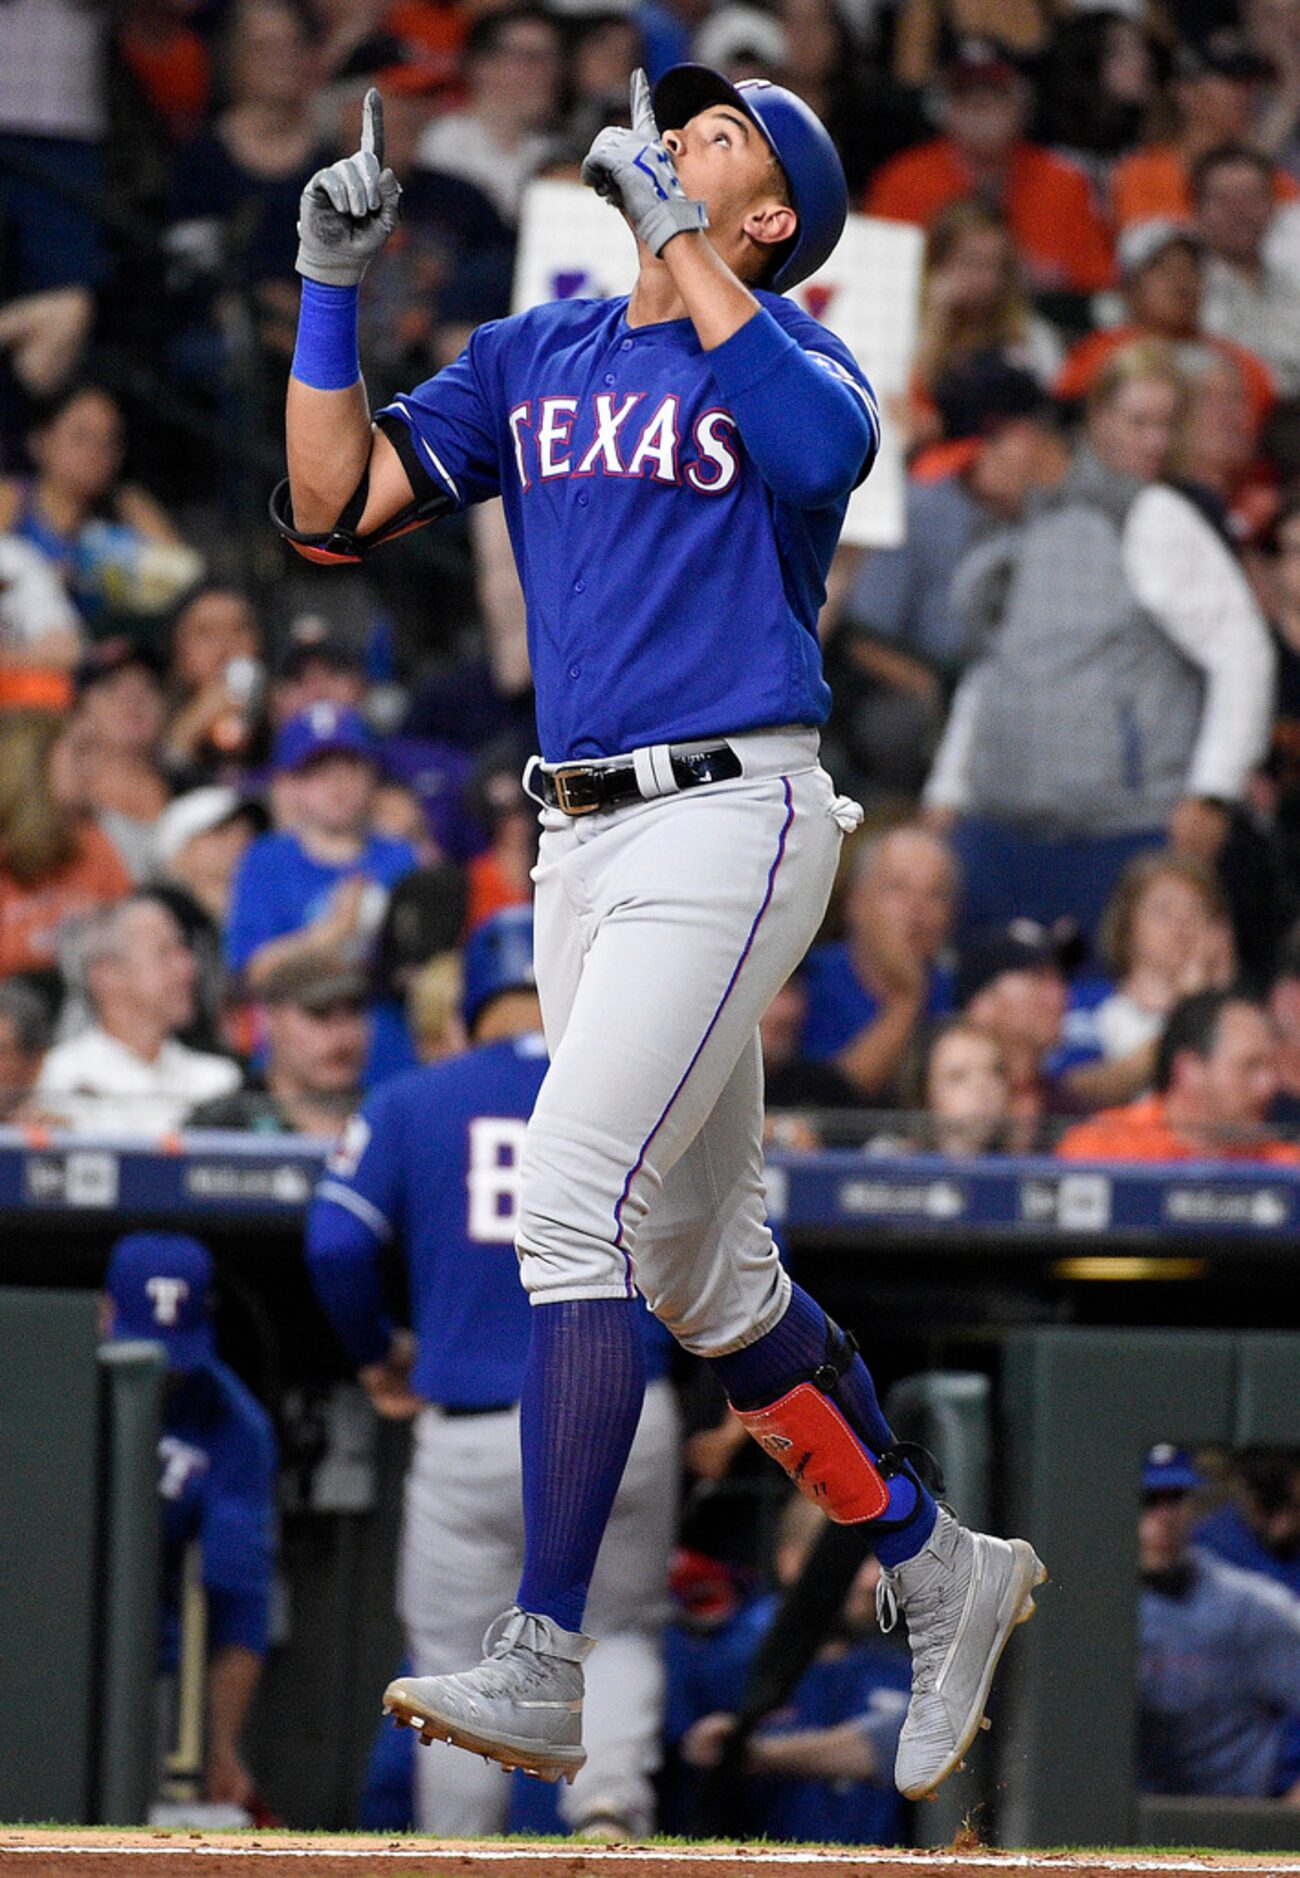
(807, 1435)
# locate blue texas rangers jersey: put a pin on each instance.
(216, 1479)
(673, 511)
(432, 1161)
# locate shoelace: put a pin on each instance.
(928, 1644)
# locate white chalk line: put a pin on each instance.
(667, 1855)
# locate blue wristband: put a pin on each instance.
(326, 355)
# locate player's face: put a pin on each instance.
(723, 160)
(1163, 1529)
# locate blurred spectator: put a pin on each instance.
(112, 543)
(111, 748)
(605, 50)
(1099, 89)
(513, 67)
(433, 1002)
(235, 189)
(1277, 790)
(1216, 450)
(40, 633)
(424, 920)
(1162, 264)
(317, 1035)
(53, 120)
(1220, 1653)
(1215, 1079)
(869, 116)
(956, 1077)
(126, 1073)
(217, 1474)
(973, 305)
(1165, 936)
(1258, 1529)
(501, 875)
(1128, 680)
(1284, 1009)
(741, 42)
(1059, 233)
(868, 991)
(321, 885)
(1247, 298)
(215, 684)
(55, 863)
(1011, 986)
(24, 1039)
(169, 59)
(317, 667)
(792, 1081)
(199, 841)
(926, 30)
(820, 1768)
(901, 643)
(1218, 86)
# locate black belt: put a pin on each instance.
(455, 1410)
(581, 788)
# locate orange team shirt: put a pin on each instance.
(1083, 366)
(490, 890)
(30, 917)
(1154, 185)
(1140, 1131)
(1061, 237)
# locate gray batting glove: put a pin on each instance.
(633, 170)
(348, 211)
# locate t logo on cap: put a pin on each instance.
(167, 1296)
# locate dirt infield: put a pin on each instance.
(108, 1853)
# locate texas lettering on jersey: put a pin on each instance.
(608, 435)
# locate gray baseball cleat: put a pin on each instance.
(522, 1706)
(963, 1594)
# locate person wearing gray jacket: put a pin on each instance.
(1124, 690)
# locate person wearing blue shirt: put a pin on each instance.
(217, 1473)
(1220, 1655)
(820, 1767)
(431, 1164)
(322, 885)
(1259, 1528)
(868, 992)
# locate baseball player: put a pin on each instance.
(674, 467)
(216, 1479)
(432, 1161)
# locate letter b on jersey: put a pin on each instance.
(496, 1145)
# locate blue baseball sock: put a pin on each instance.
(583, 1385)
(793, 1348)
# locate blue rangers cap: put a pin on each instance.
(498, 957)
(800, 142)
(159, 1284)
(1167, 1469)
(323, 730)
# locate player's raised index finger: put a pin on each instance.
(372, 126)
(643, 111)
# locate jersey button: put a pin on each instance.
(580, 586)
(575, 671)
(609, 378)
(583, 499)
(626, 346)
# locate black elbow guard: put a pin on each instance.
(342, 543)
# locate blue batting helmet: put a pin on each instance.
(800, 142)
(498, 957)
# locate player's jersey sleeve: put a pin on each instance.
(806, 413)
(354, 1213)
(446, 432)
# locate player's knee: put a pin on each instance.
(562, 1252)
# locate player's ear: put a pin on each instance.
(770, 223)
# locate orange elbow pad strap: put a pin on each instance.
(806, 1434)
